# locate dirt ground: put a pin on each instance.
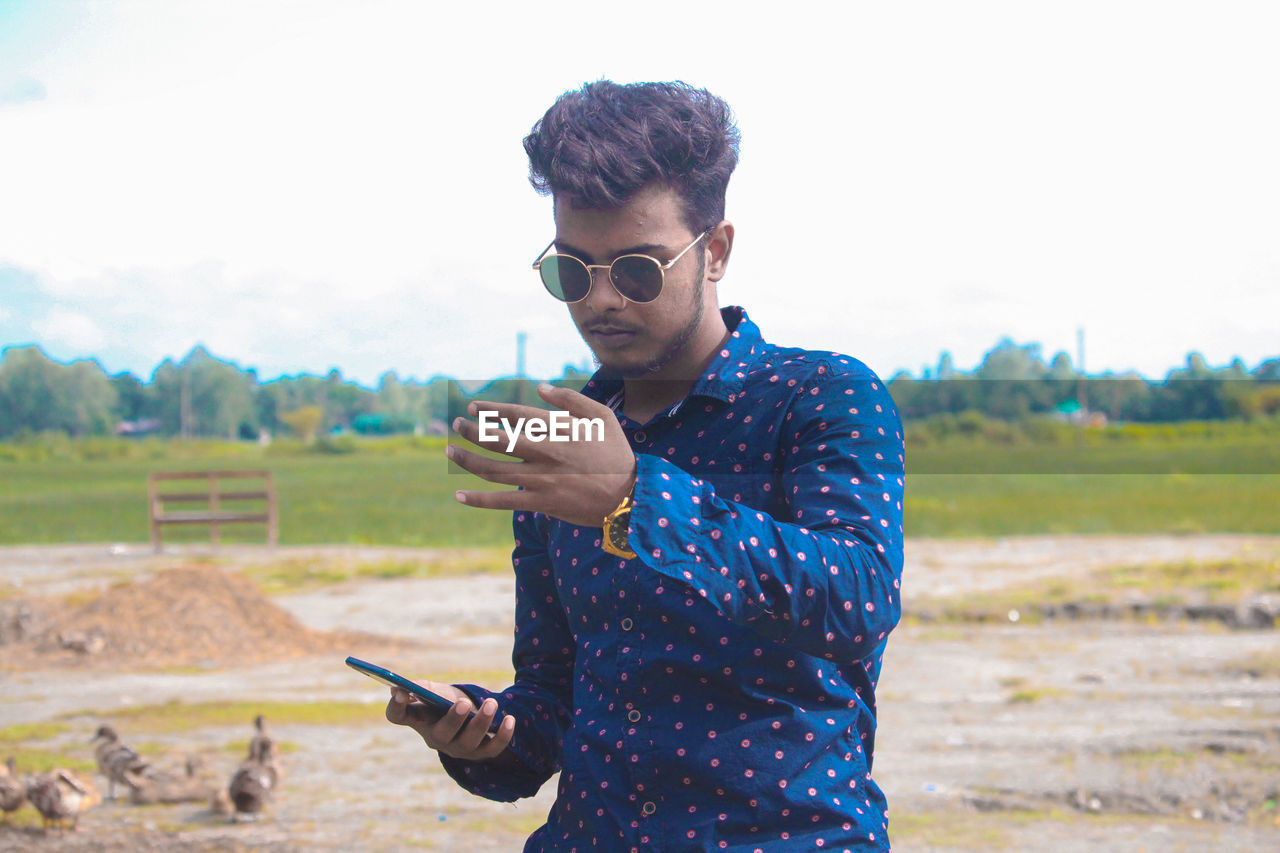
(1083, 735)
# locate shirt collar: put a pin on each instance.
(723, 377)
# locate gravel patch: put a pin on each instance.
(1057, 737)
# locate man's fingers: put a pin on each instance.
(446, 729)
(397, 709)
(497, 439)
(577, 404)
(463, 731)
(512, 413)
(494, 746)
(470, 431)
(514, 499)
(404, 710)
(505, 421)
(492, 470)
(468, 741)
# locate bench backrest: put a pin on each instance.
(223, 503)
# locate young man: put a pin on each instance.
(704, 588)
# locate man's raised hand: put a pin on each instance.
(575, 468)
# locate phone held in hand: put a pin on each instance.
(432, 700)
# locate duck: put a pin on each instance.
(165, 786)
(61, 795)
(220, 804)
(117, 761)
(263, 741)
(12, 792)
(254, 782)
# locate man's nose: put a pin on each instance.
(603, 296)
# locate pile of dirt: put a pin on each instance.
(22, 619)
(189, 615)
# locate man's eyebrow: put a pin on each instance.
(642, 249)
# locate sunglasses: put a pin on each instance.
(638, 278)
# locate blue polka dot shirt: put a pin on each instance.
(717, 691)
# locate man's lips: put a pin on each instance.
(611, 332)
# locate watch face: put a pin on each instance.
(618, 530)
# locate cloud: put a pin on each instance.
(418, 325)
(21, 90)
(306, 189)
(65, 329)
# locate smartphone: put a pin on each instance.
(434, 701)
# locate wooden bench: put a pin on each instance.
(210, 493)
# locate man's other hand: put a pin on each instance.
(579, 481)
(451, 732)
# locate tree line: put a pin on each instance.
(205, 396)
(1013, 381)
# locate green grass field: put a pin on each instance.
(357, 498)
(1243, 454)
(401, 492)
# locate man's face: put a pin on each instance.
(635, 339)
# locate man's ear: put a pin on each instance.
(719, 245)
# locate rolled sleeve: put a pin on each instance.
(825, 579)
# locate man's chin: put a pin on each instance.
(626, 368)
(637, 366)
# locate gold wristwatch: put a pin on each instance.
(615, 527)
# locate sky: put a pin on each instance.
(302, 186)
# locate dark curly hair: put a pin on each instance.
(602, 143)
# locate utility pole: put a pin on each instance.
(184, 413)
(1081, 390)
(522, 338)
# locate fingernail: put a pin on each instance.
(460, 497)
(449, 451)
(545, 387)
(457, 424)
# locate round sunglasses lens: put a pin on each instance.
(637, 278)
(565, 278)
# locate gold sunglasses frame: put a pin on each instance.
(591, 276)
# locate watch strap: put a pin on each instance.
(615, 527)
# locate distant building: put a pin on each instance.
(133, 429)
(1072, 412)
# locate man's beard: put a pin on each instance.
(678, 343)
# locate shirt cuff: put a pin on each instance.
(501, 783)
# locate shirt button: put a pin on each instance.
(634, 716)
(639, 436)
(648, 808)
(627, 624)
